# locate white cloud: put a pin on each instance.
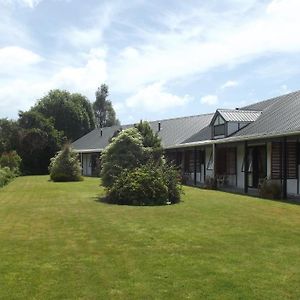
(193, 45)
(28, 3)
(229, 84)
(15, 58)
(92, 34)
(284, 89)
(210, 99)
(21, 93)
(155, 98)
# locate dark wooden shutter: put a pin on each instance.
(221, 161)
(291, 160)
(276, 169)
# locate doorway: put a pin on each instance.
(257, 162)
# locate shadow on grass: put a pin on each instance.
(290, 200)
(106, 200)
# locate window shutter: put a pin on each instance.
(276, 171)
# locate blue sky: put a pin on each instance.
(161, 59)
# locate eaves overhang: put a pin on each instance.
(236, 139)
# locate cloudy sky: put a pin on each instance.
(160, 59)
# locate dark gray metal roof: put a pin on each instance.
(283, 115)
(261, 105)
(236, 115)
(173, 132)
(275, 116)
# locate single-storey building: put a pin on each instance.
(238, 148)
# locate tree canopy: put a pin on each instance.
(103, 109)
(71, 113)
(38, 142)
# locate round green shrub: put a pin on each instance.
(6, 175)
(65, 166)
(150, 184)
(11, 160)
(124, 152)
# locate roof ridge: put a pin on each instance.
(239, 110)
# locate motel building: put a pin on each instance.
(236, 148)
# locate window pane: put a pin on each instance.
(219, 130)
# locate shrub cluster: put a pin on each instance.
(11, 160)
(135, 172)
(9, 167)
(148, 184)
(65, 166)
(6, 175)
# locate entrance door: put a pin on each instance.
(257, 165)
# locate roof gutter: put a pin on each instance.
(87, 150)
(235, 139)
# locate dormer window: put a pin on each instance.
(226, 122)
(219, 126)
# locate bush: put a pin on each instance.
(270, 189)
(150, 184)
(6, 175)
(65, 166)
(124, 152)
(11, 160)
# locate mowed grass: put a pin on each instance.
(58, 242)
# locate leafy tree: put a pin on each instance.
(72, 113)
(103, 109)
(124, 152)
(39, 141)
(9, 135)
(65, 166)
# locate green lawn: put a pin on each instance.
(58, 242)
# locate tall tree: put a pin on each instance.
(72, 113)
(39, 141)
(103, 109)
(9, 135)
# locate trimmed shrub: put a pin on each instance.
(124, 152)
(6, 175)
(65, 166)
(11, 160)
(150, 184)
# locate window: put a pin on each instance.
(219, 126)
(219, 121)
(210, 164)
(219, 130)
(226, 161)
(188, 161)
(277, 160)
(231, 161)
